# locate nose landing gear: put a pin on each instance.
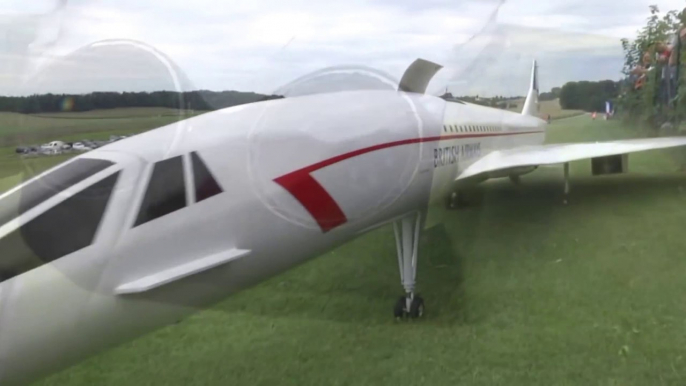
(412, 308)
(407, 243)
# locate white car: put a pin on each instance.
(53, 147)
(80, 146)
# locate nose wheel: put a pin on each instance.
(407, 242)
(409, 308)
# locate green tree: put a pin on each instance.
(644, 103)
(588, 96)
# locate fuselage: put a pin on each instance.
(293, 178)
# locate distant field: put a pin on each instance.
(553, 108)
(520, 290)
(127, 112)
(549, 107)
(20, 129)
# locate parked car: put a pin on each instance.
(54, 145)
(80, 146)
(50, 150)
(88, 143)
(22, 150)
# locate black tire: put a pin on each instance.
(450, 201)
(399, 309)
(417, 308)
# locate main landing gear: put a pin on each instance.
(407, 243)
(566, 173)
(456, 200)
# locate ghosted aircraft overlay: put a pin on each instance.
(142, 232)
(139, 233)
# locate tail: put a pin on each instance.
(531, 103)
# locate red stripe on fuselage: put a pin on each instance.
(316, 200)
(319, 203)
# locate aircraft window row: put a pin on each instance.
(63, 229)
(166, 191)
(47, 186)
(470, 129)
(205, 184)
(72, 224)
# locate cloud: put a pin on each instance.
(262, 45)
(503, 65)
(130, 65)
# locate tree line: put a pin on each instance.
(191, 100)
(588, 96)
(643, 104)
(653, 70)
(498, 101)
(551, 95)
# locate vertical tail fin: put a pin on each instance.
(531, 103)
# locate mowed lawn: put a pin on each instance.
(520, 290)
(24, 130)
(546, 108)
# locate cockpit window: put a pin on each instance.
(63, 229)
(166, 191)
(205, 184)
(47, 186)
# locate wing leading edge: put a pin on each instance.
(562, 153)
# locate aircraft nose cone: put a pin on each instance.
(9, 208)
(3, 348)
(15, 256)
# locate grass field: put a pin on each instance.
(520, 290)
(127, 112)
(21, 129)
(549, 107)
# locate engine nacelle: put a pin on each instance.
(614, 164)
(518, 171)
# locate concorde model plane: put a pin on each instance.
(142, 232)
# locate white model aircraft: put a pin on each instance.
(139, 233)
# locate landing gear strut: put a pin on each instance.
(566, 171)
(407, 243)
(456, 200)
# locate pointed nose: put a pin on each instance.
(24, 232)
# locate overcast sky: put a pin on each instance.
(260, 45)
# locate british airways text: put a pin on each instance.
(452, 154)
